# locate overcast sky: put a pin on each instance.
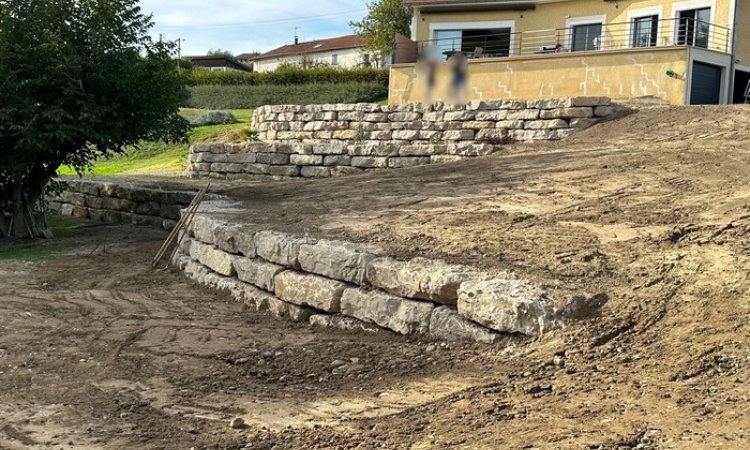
(247, 25)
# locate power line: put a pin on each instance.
(271, 21)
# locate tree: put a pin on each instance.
(80, 80)
(385, 19)
(219, 52)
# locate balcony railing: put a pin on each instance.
(581, 38)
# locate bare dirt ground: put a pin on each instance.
(641, 224)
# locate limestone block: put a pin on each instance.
(398, 314)
(77, 199)
(446, 323)
(279, 248)
(603, 111)
(523, 114)
(550, 103)
(478, 125)
(97, 202)
(272, 158)
(495, 133)
(336, 259)
(257, 272)
(508, 306)
(362, 126)
(408, 135)
(582, 123)
(510, 124)
(461, 116)
(397, 162)
(591, 101)
(567, 113)
(375, 117)
(341, 322)
(345, 135)
(369, 161)
(337, 160)
(470, 149)
(436, 116)
(381, 135)
(241, 158)
(431, 135)
(224, 237)
(458, 135)
(374, 148)
(283, 171)
(414, 125)
(419, 278)
(496, 115)
(256, 169)
(200, 148)
(329, 148)
(216, 260)
(315, 172)
(309, 290)
(546, 124)
(306, 160)
(218, 147)
(226, 167)
(440, 159)
(113, 203)
(539, 135)
(404, 116)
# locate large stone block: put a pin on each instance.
(523, 114)
(398, 314)
(567, 113)
(335, 259)
(257, 272)
(279, 248)
(341, 322)
(458, 135)
(508, 306)
(272, 158)
(446, 323)
(216, 260)
(369, 161)
(546, 124)
(315, 172)
(309, 290)
(591, 101)
(337, 160)
(407, 161)
(306, 160)
(419, 278)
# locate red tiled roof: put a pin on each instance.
(322, 45)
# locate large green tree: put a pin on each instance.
(385, 19)
(79, 80)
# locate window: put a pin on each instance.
(586, 37)
(645, 31)
(693, 27)
(488, 42)
(366, 59)
(334, 60)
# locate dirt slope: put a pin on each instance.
(640, 224)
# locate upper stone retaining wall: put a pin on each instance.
(329, 140)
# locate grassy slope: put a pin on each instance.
(158, 158)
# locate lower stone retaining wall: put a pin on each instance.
(121, 203)
(330, 140)
(328, 283)
(354, 286)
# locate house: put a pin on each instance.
(343, 51)
(666, 51)
(222, 63)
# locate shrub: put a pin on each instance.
(246, 97)
(213, 118)
(288, 74)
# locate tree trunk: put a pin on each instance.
(3, 225)
(20, 219)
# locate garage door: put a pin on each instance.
(706, 84)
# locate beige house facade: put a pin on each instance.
(661, 51)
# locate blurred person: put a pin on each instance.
(459, 66)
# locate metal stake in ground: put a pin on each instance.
(185, 219)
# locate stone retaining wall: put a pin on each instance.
(329, 140)
(327, 283)
(121, 203)
(352, 286)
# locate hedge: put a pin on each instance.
(247, 97)
(287, 75)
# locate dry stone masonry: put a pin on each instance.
(352, 286)
(324, 282)
(121, 203)
(318, 141)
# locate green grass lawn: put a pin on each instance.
(63, 228)
(159, 158)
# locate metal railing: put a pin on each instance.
(582, 38)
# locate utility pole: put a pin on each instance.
(296, 38)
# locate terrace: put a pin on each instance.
(642, 33)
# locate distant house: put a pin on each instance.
(219, 63)
(343, 51)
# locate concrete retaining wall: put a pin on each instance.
(330, 140)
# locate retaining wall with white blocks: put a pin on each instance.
(318, 141)
(354, 286)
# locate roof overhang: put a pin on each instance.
(448, 6)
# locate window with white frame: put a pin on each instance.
(645, 31)
(334, 59)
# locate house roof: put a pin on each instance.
(305, 48)
(461, 2)
(218, 61)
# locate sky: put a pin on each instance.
(243, 26)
